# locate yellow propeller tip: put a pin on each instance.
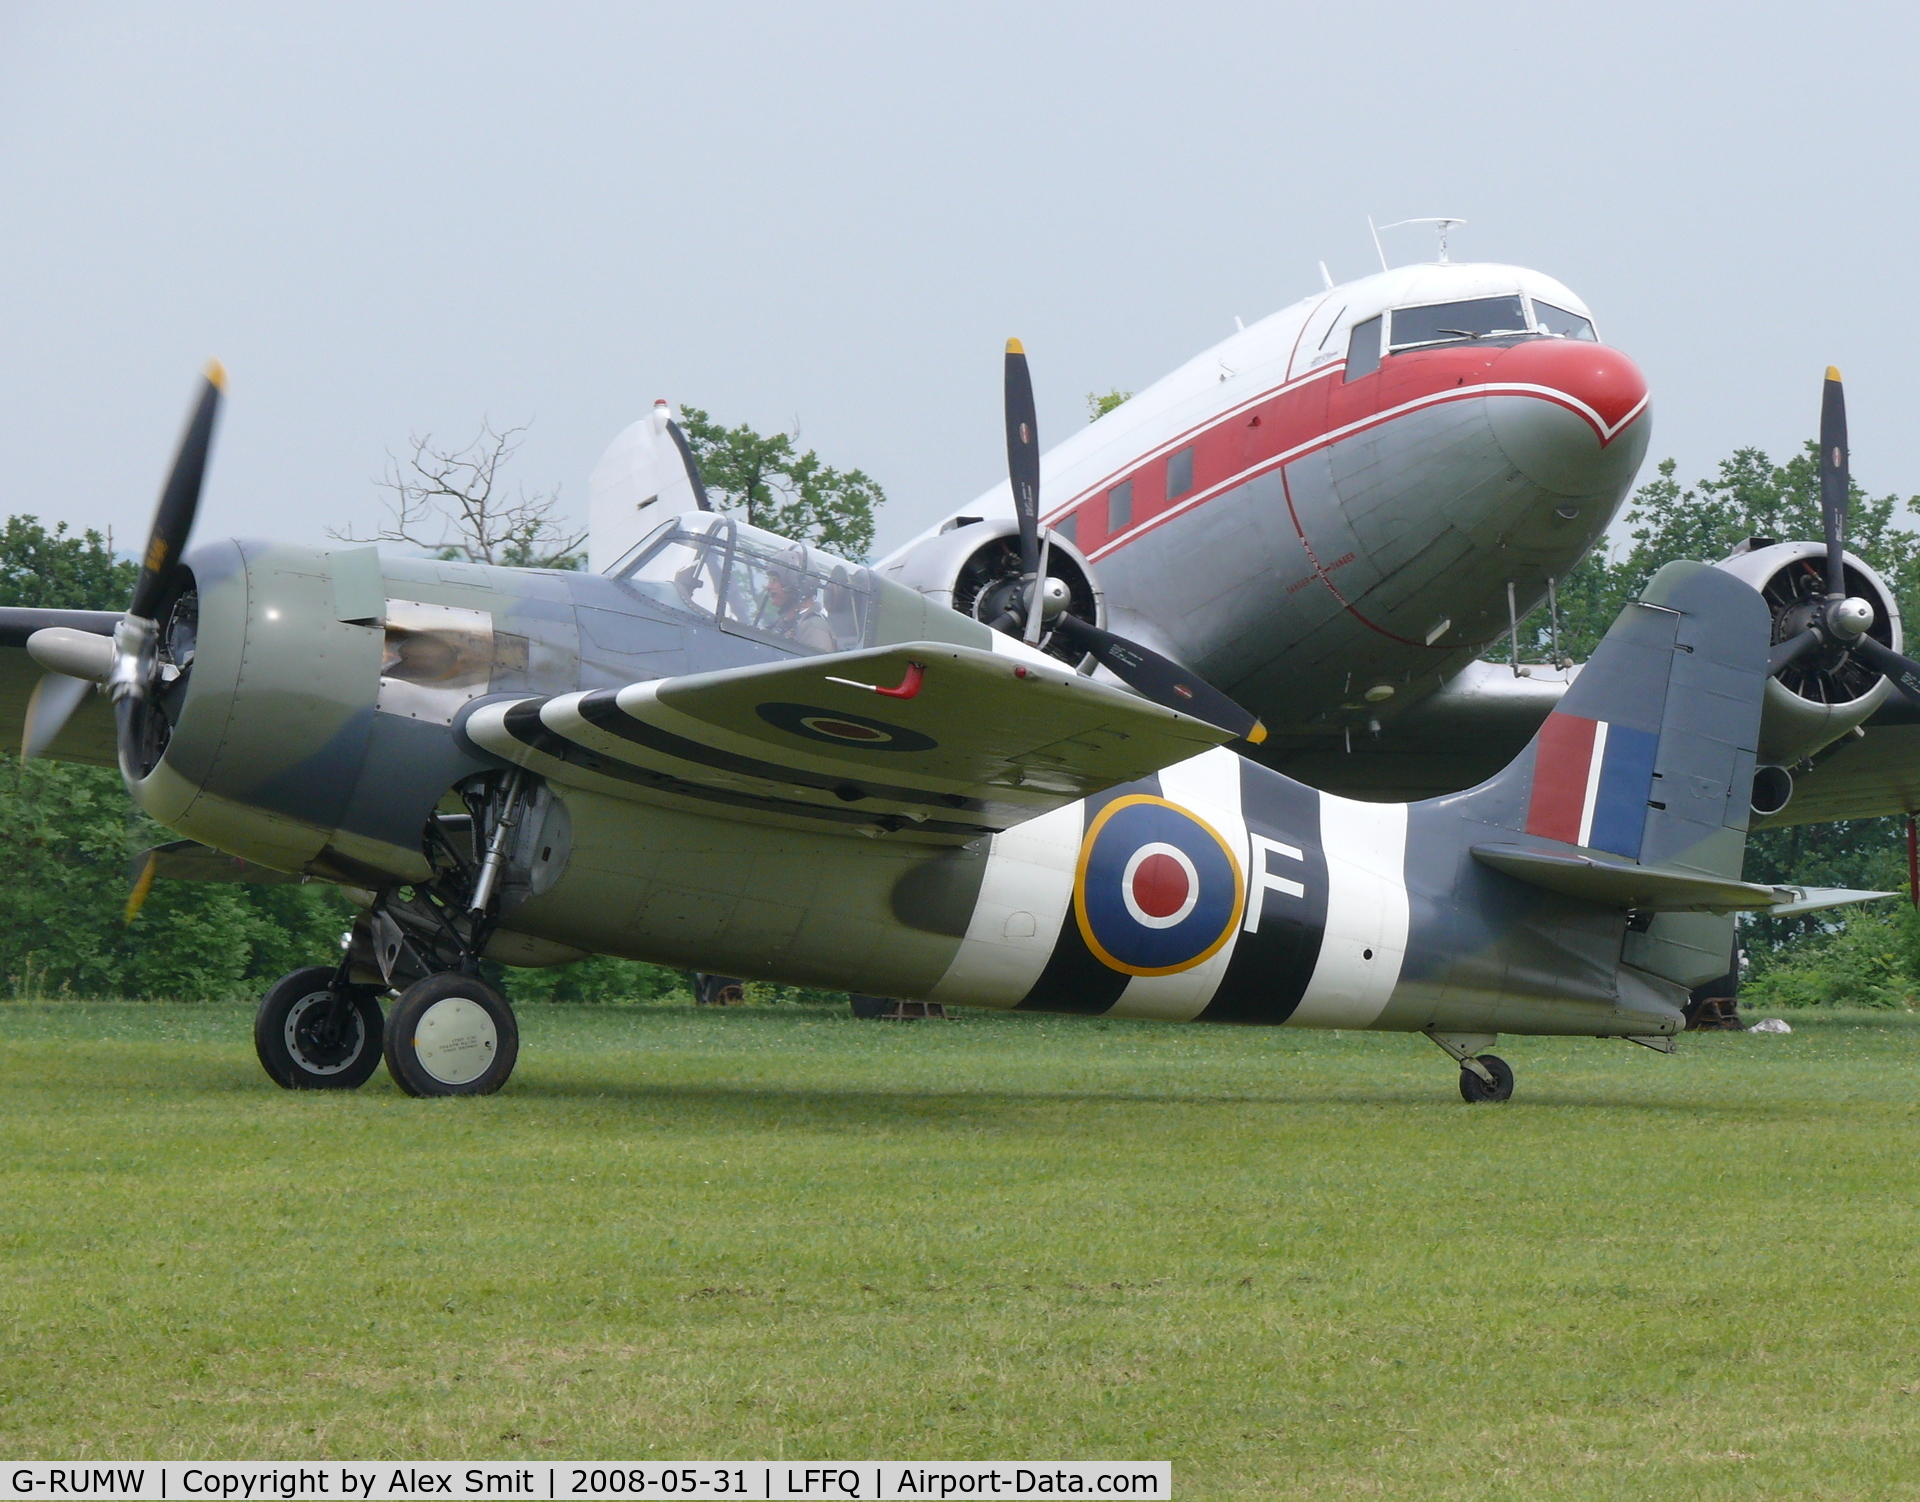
(1256, 735)
(137, 899)
(1833, 372)
(1014, 347)
(217, 373)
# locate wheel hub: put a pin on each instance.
(324, 1032)
(456, 1040)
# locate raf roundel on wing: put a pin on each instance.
(1157, 890)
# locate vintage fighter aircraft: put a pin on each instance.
(735, 752)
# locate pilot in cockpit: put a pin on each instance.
(793, 602)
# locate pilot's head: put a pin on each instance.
(787, 587)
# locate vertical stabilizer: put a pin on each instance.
(645, 476)
(1650, 754)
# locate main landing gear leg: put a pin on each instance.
(1482, 1075)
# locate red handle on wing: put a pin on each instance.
(908, 686)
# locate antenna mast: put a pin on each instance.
(1442, 224)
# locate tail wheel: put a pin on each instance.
(1473, 1089)
(310, 1036)
(451, 1034)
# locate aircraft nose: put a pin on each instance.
(1573, 416)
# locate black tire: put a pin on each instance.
(310, 1037)
(1473, 1089)
(869, 1008)
(451, 1034)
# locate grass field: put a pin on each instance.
(1294, 1264)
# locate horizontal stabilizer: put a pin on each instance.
(1817, 899)
(943, 741)
(1613, 882)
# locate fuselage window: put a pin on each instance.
(1180, 473)
(1363, 349)
(1069, 528)
(1562, 324)
(1451, 322)
(1119, 508)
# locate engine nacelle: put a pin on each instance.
(269, 741)
(1815, 701)
(974, 567)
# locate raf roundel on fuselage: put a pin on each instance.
(1157, 889)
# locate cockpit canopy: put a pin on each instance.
(754, 583)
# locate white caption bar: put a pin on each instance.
(362, 1481)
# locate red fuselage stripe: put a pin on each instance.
(1292, 429)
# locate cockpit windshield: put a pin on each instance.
(1562, 324)
(1450, 322)
(753, 583)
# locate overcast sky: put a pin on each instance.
(400, 218)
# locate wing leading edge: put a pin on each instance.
(941, 742)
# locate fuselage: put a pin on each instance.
(1324, 513)
(321, 719)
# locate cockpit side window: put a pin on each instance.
(1451, 322)
(1562, 324)
(1363, 349)
(795, 596)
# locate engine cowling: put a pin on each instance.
(974, 567)
(1815, 701)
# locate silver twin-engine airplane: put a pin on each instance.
(950, 777)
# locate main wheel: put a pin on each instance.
(1474, 1089)
(451, 1034)
(311, 1037)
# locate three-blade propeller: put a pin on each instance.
(1841, 622)
(1142, 669)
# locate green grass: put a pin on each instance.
(1294, 1264)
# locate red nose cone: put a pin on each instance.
(1599, 383)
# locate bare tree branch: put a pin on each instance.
(452, 503)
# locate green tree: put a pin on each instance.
(60, 571)
(1100, 403)
(770, 484)
(1748, 496)
(71, 832)
(599, 979)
